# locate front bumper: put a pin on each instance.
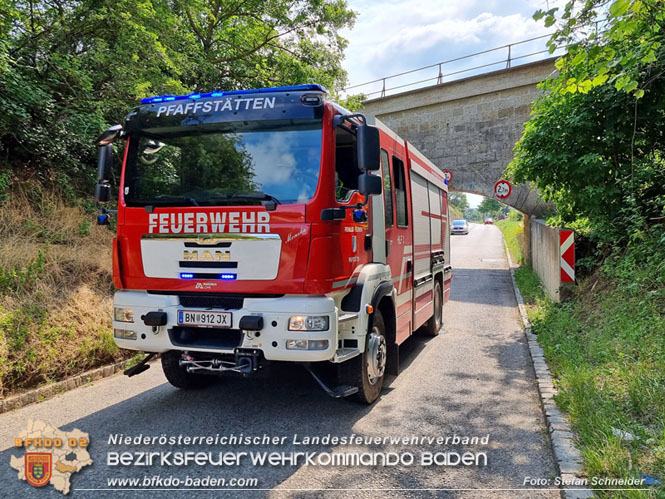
(270, 340)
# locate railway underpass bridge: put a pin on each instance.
(469, 126)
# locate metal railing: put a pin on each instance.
(439, 78)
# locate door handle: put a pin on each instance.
(408, 266)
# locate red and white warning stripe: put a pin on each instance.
(567, 252)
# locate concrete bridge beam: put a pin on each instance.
(470, 126)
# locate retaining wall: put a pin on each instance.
(545, 257)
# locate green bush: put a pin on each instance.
(21, 278)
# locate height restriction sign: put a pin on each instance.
(502, 189)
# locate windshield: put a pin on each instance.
(458, 223)
(232, 164)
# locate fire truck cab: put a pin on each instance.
(273, 225)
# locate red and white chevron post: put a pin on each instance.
(567, 252)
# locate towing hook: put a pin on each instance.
(245, 365)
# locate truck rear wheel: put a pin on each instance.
(178, 376)
(367, 371)
(434, 324)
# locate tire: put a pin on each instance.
(434, 324)
(367, 371)
(179, 377)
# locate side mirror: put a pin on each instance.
(369, 155)
(110, 135)
(102, 192)
(369, 185)
(105, 163)
(104, 171)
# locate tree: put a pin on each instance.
(594, 144)
(69, 68)
(254, 43)
(622, 45)
(353, 102)
(489, 206)
(459, 201)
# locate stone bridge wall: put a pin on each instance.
(470, 126)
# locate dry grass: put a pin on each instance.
(55, 291)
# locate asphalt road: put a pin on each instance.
(473, 380)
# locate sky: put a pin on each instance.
(394, 36)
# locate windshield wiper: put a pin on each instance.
(259, 196)
(170, 199)
(271, 204)
(166, 199)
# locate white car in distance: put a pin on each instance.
(460, 227)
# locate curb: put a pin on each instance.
(52, 389)
(566, 454)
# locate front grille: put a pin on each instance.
(198, 337)
(225, 302)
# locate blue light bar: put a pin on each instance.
(292, 88)
(186, 276)
(227, 277)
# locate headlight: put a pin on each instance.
(308, 323)
(121, 314)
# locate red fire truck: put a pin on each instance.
(273, 225)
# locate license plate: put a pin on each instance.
(204, 318)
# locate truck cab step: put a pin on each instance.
(342, 391)
(337, 392)
(344, 354)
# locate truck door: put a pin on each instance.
(399, 247)
(423, 280)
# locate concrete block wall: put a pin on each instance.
(544, 242)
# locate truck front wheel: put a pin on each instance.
(367, 371)
(178, 375)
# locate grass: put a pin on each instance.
(55, 291)
(529, 284)
(513, 233)
(606, 350)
